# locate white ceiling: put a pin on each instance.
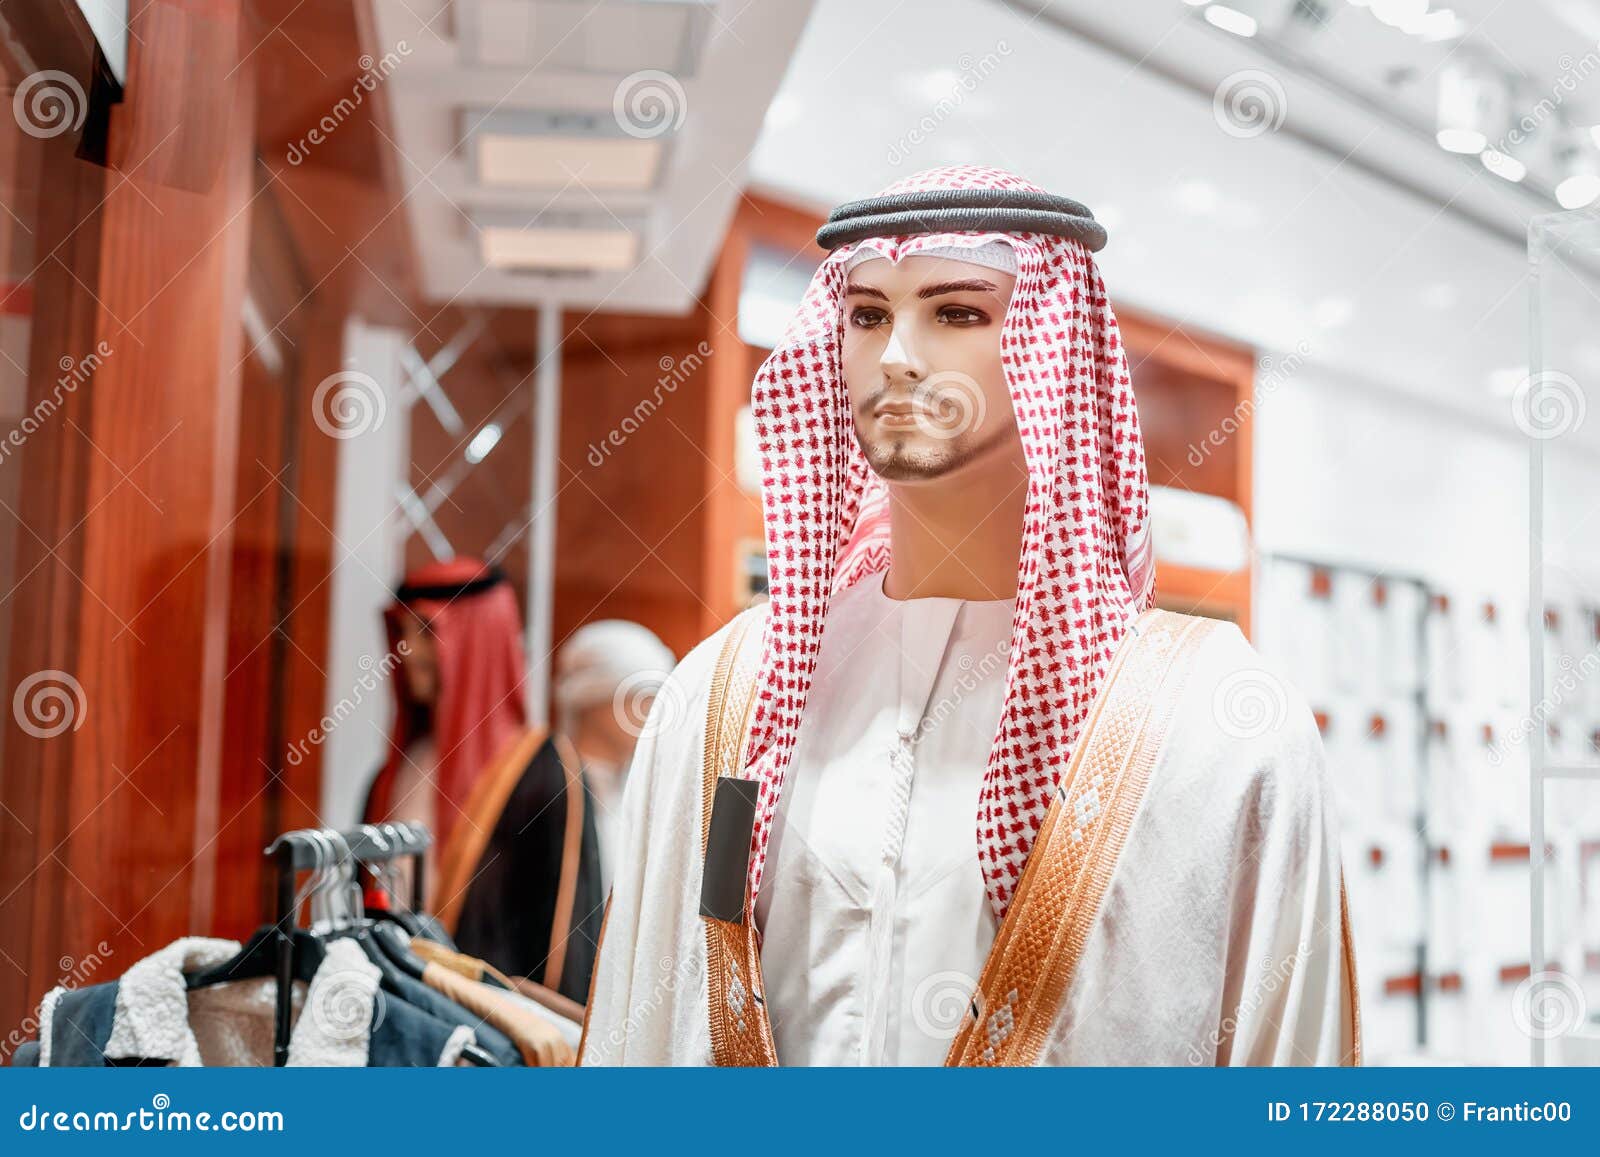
(1341, 233)
(704, 73)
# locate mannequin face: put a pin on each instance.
(922, 366)
(606, 736)
(420, 665)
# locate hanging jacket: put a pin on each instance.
(149, 1017)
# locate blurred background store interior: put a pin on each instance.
(409, 279)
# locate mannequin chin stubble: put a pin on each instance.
(924, 453)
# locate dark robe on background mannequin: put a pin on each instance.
(532, 901)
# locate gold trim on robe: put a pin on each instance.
(1037, 948)
(741, 1033)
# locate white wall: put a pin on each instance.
(369, 537)
(1347, 471)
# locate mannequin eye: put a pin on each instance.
(866, 317)
(962, 315)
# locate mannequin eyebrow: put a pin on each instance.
(969, 285)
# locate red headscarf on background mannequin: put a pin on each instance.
(478, 710)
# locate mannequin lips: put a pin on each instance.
(900, 415)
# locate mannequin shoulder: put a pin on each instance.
(675, 729)
(1241, 728)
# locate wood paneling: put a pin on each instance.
(632, 511)
(127, 531)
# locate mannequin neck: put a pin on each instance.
(959, 536)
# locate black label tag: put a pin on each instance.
(733, 821)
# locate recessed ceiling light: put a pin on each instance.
(1231, 20)
(1474, 101)
(564, 250)
(1397, 13)
(1502, 165)
(1440, 24)
(1578, 190)
(1578, 162)
(553, 162)
(1468, 141)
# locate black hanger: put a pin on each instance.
(261, 955)
(259, 958)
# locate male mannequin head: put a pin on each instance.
(922, 366)
(1042, 497)
(606, 679)
(933, 415)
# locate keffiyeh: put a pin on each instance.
(1086, 565)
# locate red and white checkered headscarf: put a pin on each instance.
(1086, 565)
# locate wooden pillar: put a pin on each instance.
(126, 508)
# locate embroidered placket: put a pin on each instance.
(925, 629)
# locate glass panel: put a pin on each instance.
(1557, 407)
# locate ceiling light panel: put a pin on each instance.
(613, 36)
(525, 149)
(558, 242)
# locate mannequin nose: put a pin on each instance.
(899, 360)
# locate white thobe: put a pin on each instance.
(1218, 940)
(874, 918)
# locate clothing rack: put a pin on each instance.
(307, 848)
